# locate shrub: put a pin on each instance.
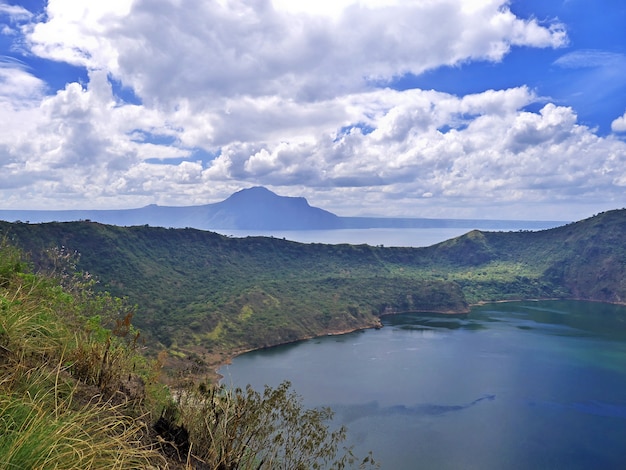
(244, 429)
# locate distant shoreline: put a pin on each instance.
(229, 357)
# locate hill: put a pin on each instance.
(205, 296)
(77, 392)
(254, 208)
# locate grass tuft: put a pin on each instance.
(62, 403)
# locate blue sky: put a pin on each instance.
(441, 108)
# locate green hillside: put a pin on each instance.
(201, 293)
(77, 392)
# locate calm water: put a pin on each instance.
(412, 237)
(527, 385)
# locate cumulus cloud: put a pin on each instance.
(418, 147)
(289, 95)
(213, 49)
(619, 124)
(435, 145)
(77, 138)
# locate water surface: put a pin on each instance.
(406, 237)
(522, 385)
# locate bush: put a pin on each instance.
(243, 429)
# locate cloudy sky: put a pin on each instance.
(418, 108)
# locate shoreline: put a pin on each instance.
(228, 357)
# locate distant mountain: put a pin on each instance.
(255, 208)
(259, 208)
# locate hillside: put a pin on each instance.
(77, 392)
(200, 293)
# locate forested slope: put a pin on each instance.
(200, 291)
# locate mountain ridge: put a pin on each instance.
(255, 208)
(202, 293)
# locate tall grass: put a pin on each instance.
(44, 431)
(59, 374)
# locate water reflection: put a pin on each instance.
(350, 413)
(516, 386)
(568, 318)
(433, 322)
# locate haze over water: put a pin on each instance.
(516, 386)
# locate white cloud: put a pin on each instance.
(212, 49)
(17, 84)
(619, 124)
(20, 94)
(79, 138)
(15, 12)
(423, 150)
(79, 32)
(288, 94)
(500, 153)
(590, 58)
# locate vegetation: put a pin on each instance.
(77, 392)
(204, 296)
(69, 397)
(78, 389)
(248, 430)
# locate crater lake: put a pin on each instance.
(522, 385)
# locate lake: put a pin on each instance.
(408, 237)
(524, 385)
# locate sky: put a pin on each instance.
(414, 108)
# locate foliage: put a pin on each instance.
(74, 394)
(244, 429)
(202, 293)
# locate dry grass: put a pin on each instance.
(57, 409)
(46, 430)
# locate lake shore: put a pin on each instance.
(223, 359)
(212, 361)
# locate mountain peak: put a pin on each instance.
(253, 192)
(259, 208)
(260, 194)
